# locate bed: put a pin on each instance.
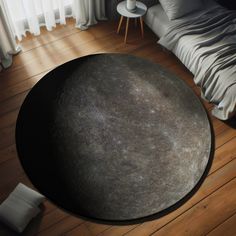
(205, 42)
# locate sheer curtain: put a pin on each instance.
(87, 12)
(29, 15)
(8, 46)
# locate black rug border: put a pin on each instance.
(139, 220)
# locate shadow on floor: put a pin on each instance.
(231, 122)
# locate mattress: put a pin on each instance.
(157, 20)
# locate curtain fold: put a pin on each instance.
(30, 15)
(8, 46)
(87, 12)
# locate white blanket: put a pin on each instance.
(206, 45)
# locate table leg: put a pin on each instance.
(135, 22)
(141, 24)
(127, 29)
(120, 23)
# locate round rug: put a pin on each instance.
(113, 137)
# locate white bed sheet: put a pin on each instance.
(205, 43)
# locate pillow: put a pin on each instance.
(20, 207)
(16, 213)
(178, 8)
(28, 195)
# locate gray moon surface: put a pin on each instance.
(113, 137)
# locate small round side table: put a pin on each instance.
(141, 9)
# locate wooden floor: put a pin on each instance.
(211, 211)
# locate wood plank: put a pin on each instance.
(61, 226)
(12, 103)
(212, 183)
(5, 167)
(227, 228)
(8, 153)
(20, 87)
(7, 136)
(88, 228)
(8, 119)
(8, 180)
(203, 217)
(224, 154)
(117, 230)
(224, 136)
(120, 47)
(44, 222)
(219, 126)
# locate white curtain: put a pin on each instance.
(8, 46)
(29, 15)
(87, 12)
